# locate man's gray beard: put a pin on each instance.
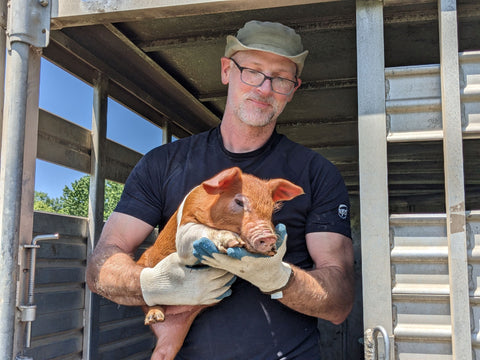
(256, 118)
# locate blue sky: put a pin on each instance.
(72, 99)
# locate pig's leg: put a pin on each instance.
(188, 233)
(172, 332)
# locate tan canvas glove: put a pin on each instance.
(269, 273)
(172, 283)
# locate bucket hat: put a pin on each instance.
(271, 37)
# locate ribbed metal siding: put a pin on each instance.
(413, 100)
(420, 286)
(59, 288)
(59, 295)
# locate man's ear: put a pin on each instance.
(299, 82)
(225, 70)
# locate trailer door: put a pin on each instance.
(418, 268)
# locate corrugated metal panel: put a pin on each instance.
(473, 239)
(121, 333)
(59, 289)
(420, 284)
(413, 100)
(59, 296)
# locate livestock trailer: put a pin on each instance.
(390, 94)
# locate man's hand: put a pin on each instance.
(172, 283)
(269, 273)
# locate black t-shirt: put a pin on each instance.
(247, 324)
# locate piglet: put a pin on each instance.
(233, 209)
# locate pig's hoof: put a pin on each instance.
(154, 316)
(226, 239)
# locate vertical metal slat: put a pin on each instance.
(28, 188)
(95, 212)
(454, 181)
(373, 155)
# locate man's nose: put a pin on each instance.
(266, 87)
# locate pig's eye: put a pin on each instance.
(239, 202)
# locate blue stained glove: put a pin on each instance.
(269, 273)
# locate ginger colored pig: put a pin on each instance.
(231, 209)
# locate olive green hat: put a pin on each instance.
(271, 37)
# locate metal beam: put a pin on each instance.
(96, 208)
(195, 116)
(372, 143)
(28, 187)
(75, 153)
(175, 89)
(454, 181)
(11, 173)
(3, 47)
(66, 13)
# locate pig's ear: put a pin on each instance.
(222, 180)
(284, 189)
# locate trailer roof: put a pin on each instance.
(163, 62)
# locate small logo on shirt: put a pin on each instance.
(343, 211)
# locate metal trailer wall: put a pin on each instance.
(419, 270)
(70, 323)
(59, 331)
(67, 325)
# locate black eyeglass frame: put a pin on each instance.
(265, 77)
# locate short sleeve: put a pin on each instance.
(141, 196)
(330, 209)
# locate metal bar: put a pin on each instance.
(454, 181)
(11, 187)
(28, 183)
(79, 12)
(192, 122)
(167, 134)
(425, 332)
(96, 208)
(372, 155)
(377, 298)
(31, 281)
(176, 91)
(3, 47)
(371, 343)
(73, 151)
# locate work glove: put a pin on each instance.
(172, 283)
(269, 273)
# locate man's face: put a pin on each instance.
(257, 106)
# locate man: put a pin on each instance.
(261, 66)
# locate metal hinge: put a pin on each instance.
(29, 22)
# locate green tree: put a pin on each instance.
(74, 200)
(42, 202)
(113, 191)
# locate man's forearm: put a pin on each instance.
(325, 293)
(114, 275)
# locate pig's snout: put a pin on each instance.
(262, 239)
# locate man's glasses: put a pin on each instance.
(256, 78)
